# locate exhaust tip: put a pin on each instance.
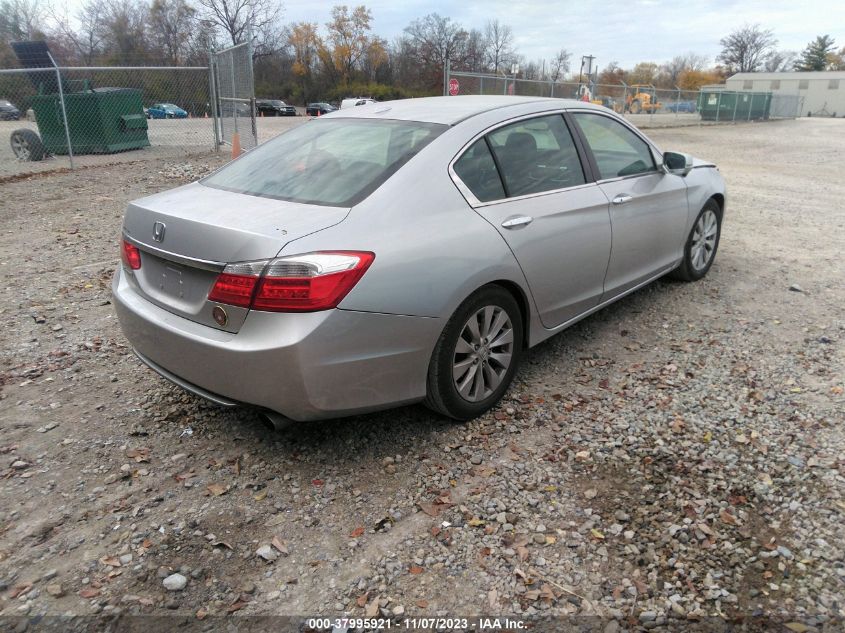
(274, 420)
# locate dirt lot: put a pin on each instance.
(676, 456)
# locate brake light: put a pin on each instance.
(299, 283)
(130, 255)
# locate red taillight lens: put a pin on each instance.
(130, 255)
(233, 290)
(300, 283)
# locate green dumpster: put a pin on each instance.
(99, 120)
(716, 104)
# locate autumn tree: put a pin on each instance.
(643, 73)
(349, 42)
(746, 49)
(679, 64)
(694, 79)
(815, 56)
(836, 60)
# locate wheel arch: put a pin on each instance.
(719, 199)
(522, 301)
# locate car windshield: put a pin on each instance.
(331, 162)
(275, 102)
(170, 106)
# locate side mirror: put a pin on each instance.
(677, 163)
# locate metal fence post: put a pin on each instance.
(64, 110)
(677, 102)
(750, 106)
(624, 97)
(212, 100)
(719, 106)
(736, 103)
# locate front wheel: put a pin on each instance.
(476, 356)
(702, 243)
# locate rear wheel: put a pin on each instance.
(27, 145)
(476, 356)
(702, 243)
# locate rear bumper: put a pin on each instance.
(305, 366)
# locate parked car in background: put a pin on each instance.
(8, 111)
(166, 111)
(355, 101)
(316, 109)
(680, 106)
(273, 107)
(406, 252)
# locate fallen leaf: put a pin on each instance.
(280, 545)
(371, 610)
(727, 517)
(147, 602)
(261, 495)
(493, 600)
(217, 489)
(475, 522)
(415, 569)
(362, 600)
(547, 593)
(112, 561)
(522, 552)
(707, 436)
(236, 606)
(201, 614)
(139, 454)
(223, 543)
(483, 471)
(422, 604)
(597, 534)
(19, 590)
(358, 531)
(89, 593)
(433, 509)
(797, 627)
(317, 482)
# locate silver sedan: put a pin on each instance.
(405, 251)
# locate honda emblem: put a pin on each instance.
(158, 231)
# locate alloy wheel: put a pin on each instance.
(483, 353)
(20, 147)
(704, 239)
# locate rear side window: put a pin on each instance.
(477, 170)
(617, 150)
(331, 162)
(536, 155)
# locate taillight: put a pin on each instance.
(130, 255)
(299, 283)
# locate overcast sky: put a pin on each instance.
(624, 31)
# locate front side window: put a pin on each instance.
(332, 162)
(477, 170)
(617, 150)
(536, 155)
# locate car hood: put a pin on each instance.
(216, 225)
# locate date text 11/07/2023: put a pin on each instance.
(417, 624)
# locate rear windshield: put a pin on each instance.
(331, 162)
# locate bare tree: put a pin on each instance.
(86, 36)
(236, 17)
(780, 61)
(499, 44)
(124, 29)
(746, 49)
(436, 39)
(171, 24)
(559, 65)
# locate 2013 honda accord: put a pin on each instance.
(405, 251)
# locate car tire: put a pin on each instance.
(636, 108)
(27, 145)
(702, 243)
(464, 395)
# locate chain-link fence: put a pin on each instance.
(234, 103)
(62, 117)
(645, 105)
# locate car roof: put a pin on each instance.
(451, 110)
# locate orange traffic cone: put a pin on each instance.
(318, 112)
(236, 145)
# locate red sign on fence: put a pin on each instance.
(454, 87)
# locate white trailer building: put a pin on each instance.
(820, 93)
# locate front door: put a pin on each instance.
(649, 209)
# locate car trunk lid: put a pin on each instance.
(187, 235)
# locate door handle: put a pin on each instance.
(622, 198)
(519, 220)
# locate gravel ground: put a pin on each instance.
(674, 457)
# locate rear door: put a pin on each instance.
(527, 180)
(648, 210)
